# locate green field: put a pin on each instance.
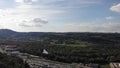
(105, 66)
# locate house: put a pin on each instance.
(45, 51)
(11, 49)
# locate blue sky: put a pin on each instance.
(60, 15)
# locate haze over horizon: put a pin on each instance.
(60, 15)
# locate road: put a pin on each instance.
(38, 63)
(115, 65)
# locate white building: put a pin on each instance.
(45, 51)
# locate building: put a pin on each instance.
(11, 49)
(45, 51)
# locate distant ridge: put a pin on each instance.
(7, 34)
(6, 30)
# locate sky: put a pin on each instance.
(60, 15)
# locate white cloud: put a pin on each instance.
(79, 27)
(35, 0)
(109, 18)
(115, 8)
(19, 1)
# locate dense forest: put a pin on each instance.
(7, 61)
(70, 54)
(77, 47)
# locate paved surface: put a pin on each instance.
(115, 65)
(45, 64)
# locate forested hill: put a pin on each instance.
(6, 34)
(60, 38)
(67, 47)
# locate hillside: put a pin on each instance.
(60, 38)
(7, 61)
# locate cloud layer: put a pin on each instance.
(109, 18)
(26, 13)
(89, 27)
(40, 15)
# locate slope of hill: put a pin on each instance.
(60, 38)
(6, 34)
